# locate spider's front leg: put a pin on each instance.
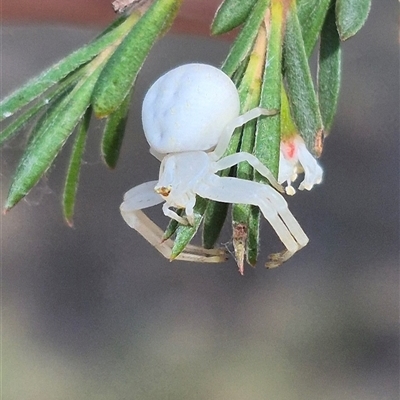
(272, 205)
(144, 196)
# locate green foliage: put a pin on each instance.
(74, 168)
(185, 233)
(351, 16)
(267, 135)
(59, 71)
(49, 138)
(244, 42)
(311, 14)
(328, 77)
(114, 131)
(231, 14)
(300, 87)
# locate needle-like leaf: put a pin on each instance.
(185, 233)
(231, 14)
(245, 40)
(300, 87)
(214, 219)
(49, 139)
(54, 74)
(18, 123)
(351, 16)
(249, 92)
(268, 137)
(114, 133)
(172, 226)
(328, 78)
(311, 14)
(74, 168)
(31, 113)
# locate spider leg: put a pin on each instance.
(272, 205)
(239, 121)
(173, 215)
(144, 196)
(190, 201)
(236, 158)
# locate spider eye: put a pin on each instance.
(163, 191)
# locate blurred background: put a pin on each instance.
(94, 312)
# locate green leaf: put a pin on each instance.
(288, 127)
(249, 93)
(49, 114)
(253, 236)
(15, 126)
(328, 78)
(49, 139)
(27, 116)
(74, 167)
(351, 16)
(244, 41)
(300, 87)
(214, 219)
(230, 14)
(121, 70)
(185, 233)
(114, 133)
(54, 74)
(268, 138)
(172, 225)
(311, 14)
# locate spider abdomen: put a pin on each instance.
(188, 108)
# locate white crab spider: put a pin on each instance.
(189, 115)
